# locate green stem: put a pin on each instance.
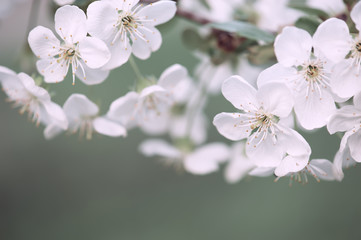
(136, 70)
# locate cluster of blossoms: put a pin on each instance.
(316, 72)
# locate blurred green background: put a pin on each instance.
(105, 189)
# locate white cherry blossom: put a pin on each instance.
(307, 73)
(268, 142)
(200, 161)
(150, 108)
(128, 27)
(348, 119)
(25, 94)
(83, 117)
(335, 42)
(84, 54)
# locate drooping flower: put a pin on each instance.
(150, 108)
(307, 72)
(83, 117)
(269, 142)
(348, 119)
(128, 27)
(25, 94)
(85, 55)
(199, 161)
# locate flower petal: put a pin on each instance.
(150, 41)
(70, 24)
(323, 169)
(107, 127)
(344, 119)
(56, 115)
(291, 164)
(158, 147)
(92, 76)
(240, 93)
(101, 19)
(94, 52)
(172, 76)
(228, 125)
(276, 73)
(122, 110)
(354, 143)
(43, 42)
(356, 15)
(159, 12)
(206, 159)
(29, 84)
(276, 98)
(78, 106)
(332, 38)
(52, 70)
(313, 111)
(293, 46)
(120, 53)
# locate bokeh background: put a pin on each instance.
(104, 189)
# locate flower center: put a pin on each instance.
(128, 21)
(312, 72)
(358, 47)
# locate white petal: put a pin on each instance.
(356, 15)
(239, 165)
(276, 98)
(293, 142)
(122, 110)
(207, 158)
(354, 143)
(29, 84)
(153, 89)
(56, 115)
(345, 80)
(43, 42)
(155, 125)
(240, 93)
(323, 169)
(261, 172)
(344, 119)
(78, 105)
(266, 153)
(172, 76)
(228, 125)
(157, 147)
(160, 12)
(313, 112)
(276, 73)
(52, 131)
(333, 39)
(94, 52)
(70, 23)
(150, 42)
(52, 71)
(107, 127)
(120, 53)
(357, 100)
(101, 19)
(291, 164)
(92, 76)
(293, 46)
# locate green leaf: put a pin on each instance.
(192, 39)
(309, 10)
(244, 29)
(205, 3)
(308, 23)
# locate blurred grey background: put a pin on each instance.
(104, 189)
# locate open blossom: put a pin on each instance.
(307, 72)
(22, 90)
(269, 142)
(199, 161)
(149, 109)
(338, 45)
(128, 27)
(85, 55)
(348, 119)
(83, 117)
